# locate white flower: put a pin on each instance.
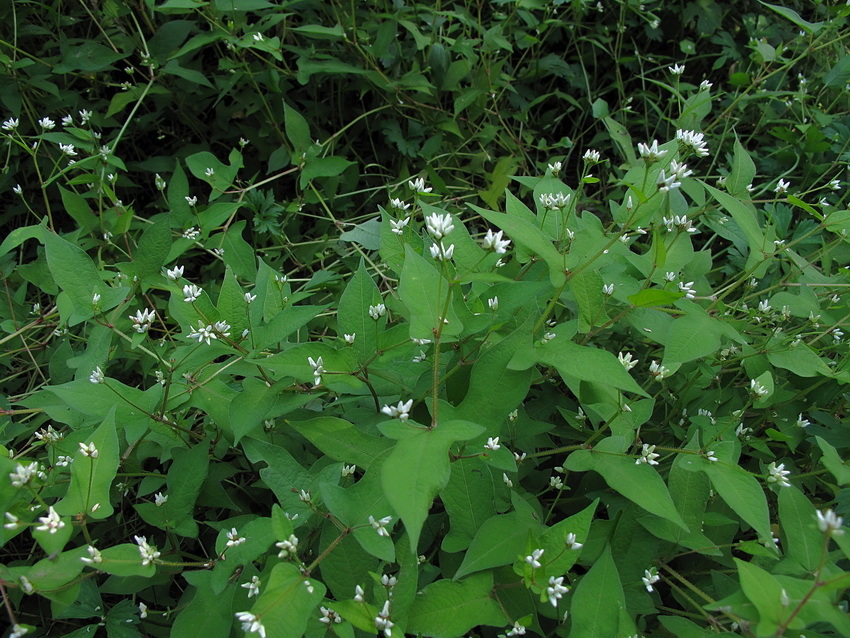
(95, 299)
(627, 361)
(191, 200)
(439, 225)
(377, 311)
(253, 586)
(209, 172)
(493, 303)
(174, 273)
(18, 189)
(191, 292)
(64, 461)
(556, 590)
(399, 205)
(89, 450)
(556, 482)
(492, 443)
(149, 554)
(534, 558)
(829, 523)
(400, 411)
(347, 470)
(318, 370)
(512, 416)
(650, 577)
(558, 201)
(694, 141)
(658, 371)
(781, 187)
(358, 594)
(233, 538)
(571, 542)
(349, 339)
(651, 153)
(676, 69)
(778, 474)
(705, 85)
(18, 631)
(222, 327)
(13, 521)
(398, 226)
(288, 547)
(191, 233)
(547, 337)
(440, 252)
(418, 186)
(143, 610)
(94, 556)
(608, 289)
(688, 289)
(383, 622)
(710, 456)
(50, 523)
(258, 37)
(11, 124)
(680, 170)
(249, 297)
(142, 320)
(251, 623)
(507, 480)
(159, 499)
(97, 376)
(801, 422)
(757, 389)
(46, 123)
(203, 333)
(23, 474)
(516, 630)
(85, 116)
(554, 168)
(591, 156)
(26, 585)
(493, 241)
(68, 149)
(666, 183)
(304, 495)
(329, 616)
(380, 525)
(835, 184)
(648, 455)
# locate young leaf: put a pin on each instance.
(446, 609)
(498, 542)
(423, 291)
(598, 597)
(287, 602)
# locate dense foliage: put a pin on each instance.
(485, 318)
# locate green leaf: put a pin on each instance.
(499, 541)
(223, 174)
(423, 291)
(154, 246)
(258, 402)
(692, 336)
(91, 477)
(186, 475)
(78, 208)
(418, 468)
(765, 592)
(639, 483)
(238, 255)
(323, 167)
(124, 560)
(801, 360)
(446, 609)
(525, 234)
(284, 475)
(801, 538)
(75, 273)
(353, 312)
(208, 613)
(469, 501)
(742, 492)
(745, 216)
(285, 604)
(833, 462)
(341, 440)
(587, 364)
(587, 288)
(598, 597)
(553, 540)
(793, 16)
(297, 129)
(742, 173)
(654, 297)
(367, 234)
(839, 74)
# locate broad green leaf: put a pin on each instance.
(561, 558)
(801, 538)
(745, 216)
(367, 234)
(585, 363)
(53, 541)
(344, 567)
(598, 597)
(124, 560)
(794, 17)
(833, 462)
(152, 250)
(78, 208)
(587, 288)
(498, 542)
(526, 234)
(423, 291)
(639, 483)
(285, 604)
(341, 440)
(469, 502)
(323, 167)
(418, 468)
(801, 360)
(763, 590)
(53, 572)
(238, 255)
(222, 175)
(261, 534)
(353, 312)
(742, 492)
(684, 628)
(692, 336)
(283, 324)
(258, 402)
(75, 273)
(446, 609)
(742, 173)
(91, 477)
(654, 297)
(284, 475)
(208, 613)
(839, 74)
(186, 475)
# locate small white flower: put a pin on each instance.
(258, 37)
(18, 631)
(507, 480)
(512, 416)
(380, 525)
(757, 389)
(743, 432)
(835, 184)
(516, 630)
(191, 233)
(329, 616)
(383, 622)
(667, 183)
(142, 320)
(556, 482)
(627, 361)
(830, 523)
(94, 556)
(554, 168)
(571, 542)
(440, 252)
(705, 85)
(778, 474)
(650, 577)
(398, 226)
(399, 205)
(202, 333)
(658, 371)
(694, 141)
(95, 299)
(608, 289)
(159, 499)
(209, 172)
(556, 590)
(191, 200)
(493, 303)
(243, 142)
(50, 523)
(46, 123)
(174, 273)
(18, 189)
(534, 558)
(439, 225)
(191, 292)
(85, 116)
(64, 461)
(558, 201)
(377, 311)
(648, 455)
(710, 456)
(97, 376)
(676, 69)
(400, 411)
(349, 339)
(801, 422)
(288, 547)
(651, 153)
(493, 241)
(591, 156)
(14, 521)
(89, 450)
(688, 289)
(148, 553)
(318, 369)
(143, 610)
(249, 297)
(253, 586)
(68, 149)
(547, 337)
(781, 187)
(418, 186)
(348, 470)
(11, 124)
(492, 443)
(233, 538)
(304, 495)
(251, 623)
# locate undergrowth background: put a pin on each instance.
(264, 370)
